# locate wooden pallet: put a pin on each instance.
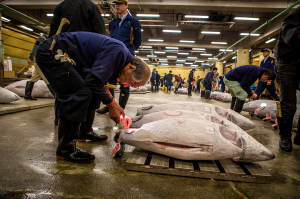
(149, 162)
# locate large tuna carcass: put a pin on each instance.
(182, 91)
(198, 107)
(7, 96)
(40, 89)
(193, 140)
(141, 88)
(259, 107)
(272, 114)
(148, 86)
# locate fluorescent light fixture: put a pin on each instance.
(106, 24)
(196, 51)
(172, 31)
(213, 58)
(245, 34)
(156, 21)
(198, 48)
(5, 19)
(180, 60)
(105, 15)
(172, 48)
(142, 30)
(136, 51)
(205, 64)
(160, 52)
(199, 61)
(163, 60)
(222, 50)
(224, 62)
(26, 28)
(246, 18)
(206, 54)
(223, 43)
(183, 53)
(156, 40)
(196, 16)
(179, 64)
(145, 59)
(234, 57)
(192, 57)
(211, 33)
(50, 15)
(189, 63)
(269, 41)
(184, 41)
(151, 56)
(146, 46)
(147, 15)
(154, 63)
(164, 64)
(195, 65)
(175, 57)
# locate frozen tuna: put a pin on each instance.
(259, 106)
(40, 89)
(182, 91)
(7, 96)
(193, 140)
(228, 114)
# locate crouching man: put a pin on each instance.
(239, 81)
(77, 69)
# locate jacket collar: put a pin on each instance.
(127, 17)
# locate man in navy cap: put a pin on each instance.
(190, 81)
(208, 82)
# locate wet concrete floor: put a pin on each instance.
(29, 169)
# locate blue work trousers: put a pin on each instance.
(261, 86)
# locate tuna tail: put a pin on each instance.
(140, 110)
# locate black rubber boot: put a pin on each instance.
(51, 90)
(86, 130)
(56, 107)
(232, 103)
(123, 99)
(67, 149)
(297, 136)
(28, 91)
(189, 92)
(156, 88)
(207, 95)
(105, 109)
(238, 107)
(202, 94)
(277, 99)
(151, 88)
(285, 129)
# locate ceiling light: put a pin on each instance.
(206, 54)
(213, 58)
(164, 64)
(151, 56)
(163, 60)
(192, 57)
(189, 63)
(212, 33)
(172, 48)
(156, 21)
(145, 46)
(222, 50)
(184, 41)
(50, 15)
(26, 28)
(183, 53)
(223, 43)
(195, 65)
(234, 57)
(224, 62)
(105, 15)
(198, 48)
(269, 41)
(196, 16)
(145, 59)
(245, 34)
(180, 60)
(196, 51)
(246, 18)
(205, 64)
(175, 57)
(156, 40)
(172, 31)
(147, 15)
(154, 63)
(199, 61)
(5, 19)
(160, 52)
(179, 64)
(142, 30)
(136, 51)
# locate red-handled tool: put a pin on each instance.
(126, 121)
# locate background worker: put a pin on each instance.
(202, 86)
(215, 81)
(153, 79)
(190, 81)
(267, 63)
(37, 73)
(221, 83)
(157, 82)
(83, 15)
(239, 81)
(168, 81)
(80, 85)
(198, 84)
(176, 83)
(208, 82)
(127, 29)
(180, 85)
(287, 70)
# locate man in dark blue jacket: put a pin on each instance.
(79, 81)
(239, 81)
(168, 81)
(287, 70)
(221, 83)
(208, 82)
(128, 30)
(267, 63)
(190, 81)
(153, 79)
(157, 82)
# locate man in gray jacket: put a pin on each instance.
(37, 73)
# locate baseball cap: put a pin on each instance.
(154, 68)
(120, 1)
(194, 69)
(170, 71)
(266, 49)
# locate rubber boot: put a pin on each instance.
(56, 107)
(202, 94)
(285, 129)
(297, 137)
(51, 90)
(189, 92)
(123, 99)
(67, 149)
(277, 99)
(151, 88)
(86, 130)
(28, 91)
(207, 95)
(156, 88)
(232, 103)
(105, 109)
(238, 107)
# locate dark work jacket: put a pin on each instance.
(209, 77)
(169, 77)
(268, 64)
(288, 45)
(83, 15)
(39, 40)
(157, 77)
(191, 76)
(153, 76)
(198, 83)
(246, 75)
(221, 80)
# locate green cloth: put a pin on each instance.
(235, 89)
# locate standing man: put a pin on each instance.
(180, 85)
(221, 83)
(168, 80)
(267, 63)
(287, 70)
(176, 83)
(157, 82)
(198, 84)
(37, 73)
(153, 79)
(208, 82)
(190, 81)
(126, 29)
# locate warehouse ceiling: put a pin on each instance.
(198, 22)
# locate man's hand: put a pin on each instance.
(154, 80)
(115, 111)
(269, 83)
(254, 96)
(29, 61)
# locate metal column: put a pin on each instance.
(1, 51)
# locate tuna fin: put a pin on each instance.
(118, 150)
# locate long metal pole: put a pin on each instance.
(1, 51)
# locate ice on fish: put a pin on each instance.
(198, 107)
(7, 96)
(40, 89)
(188, 139)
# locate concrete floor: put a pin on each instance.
(29, 169)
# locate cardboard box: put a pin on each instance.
(9, 74)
